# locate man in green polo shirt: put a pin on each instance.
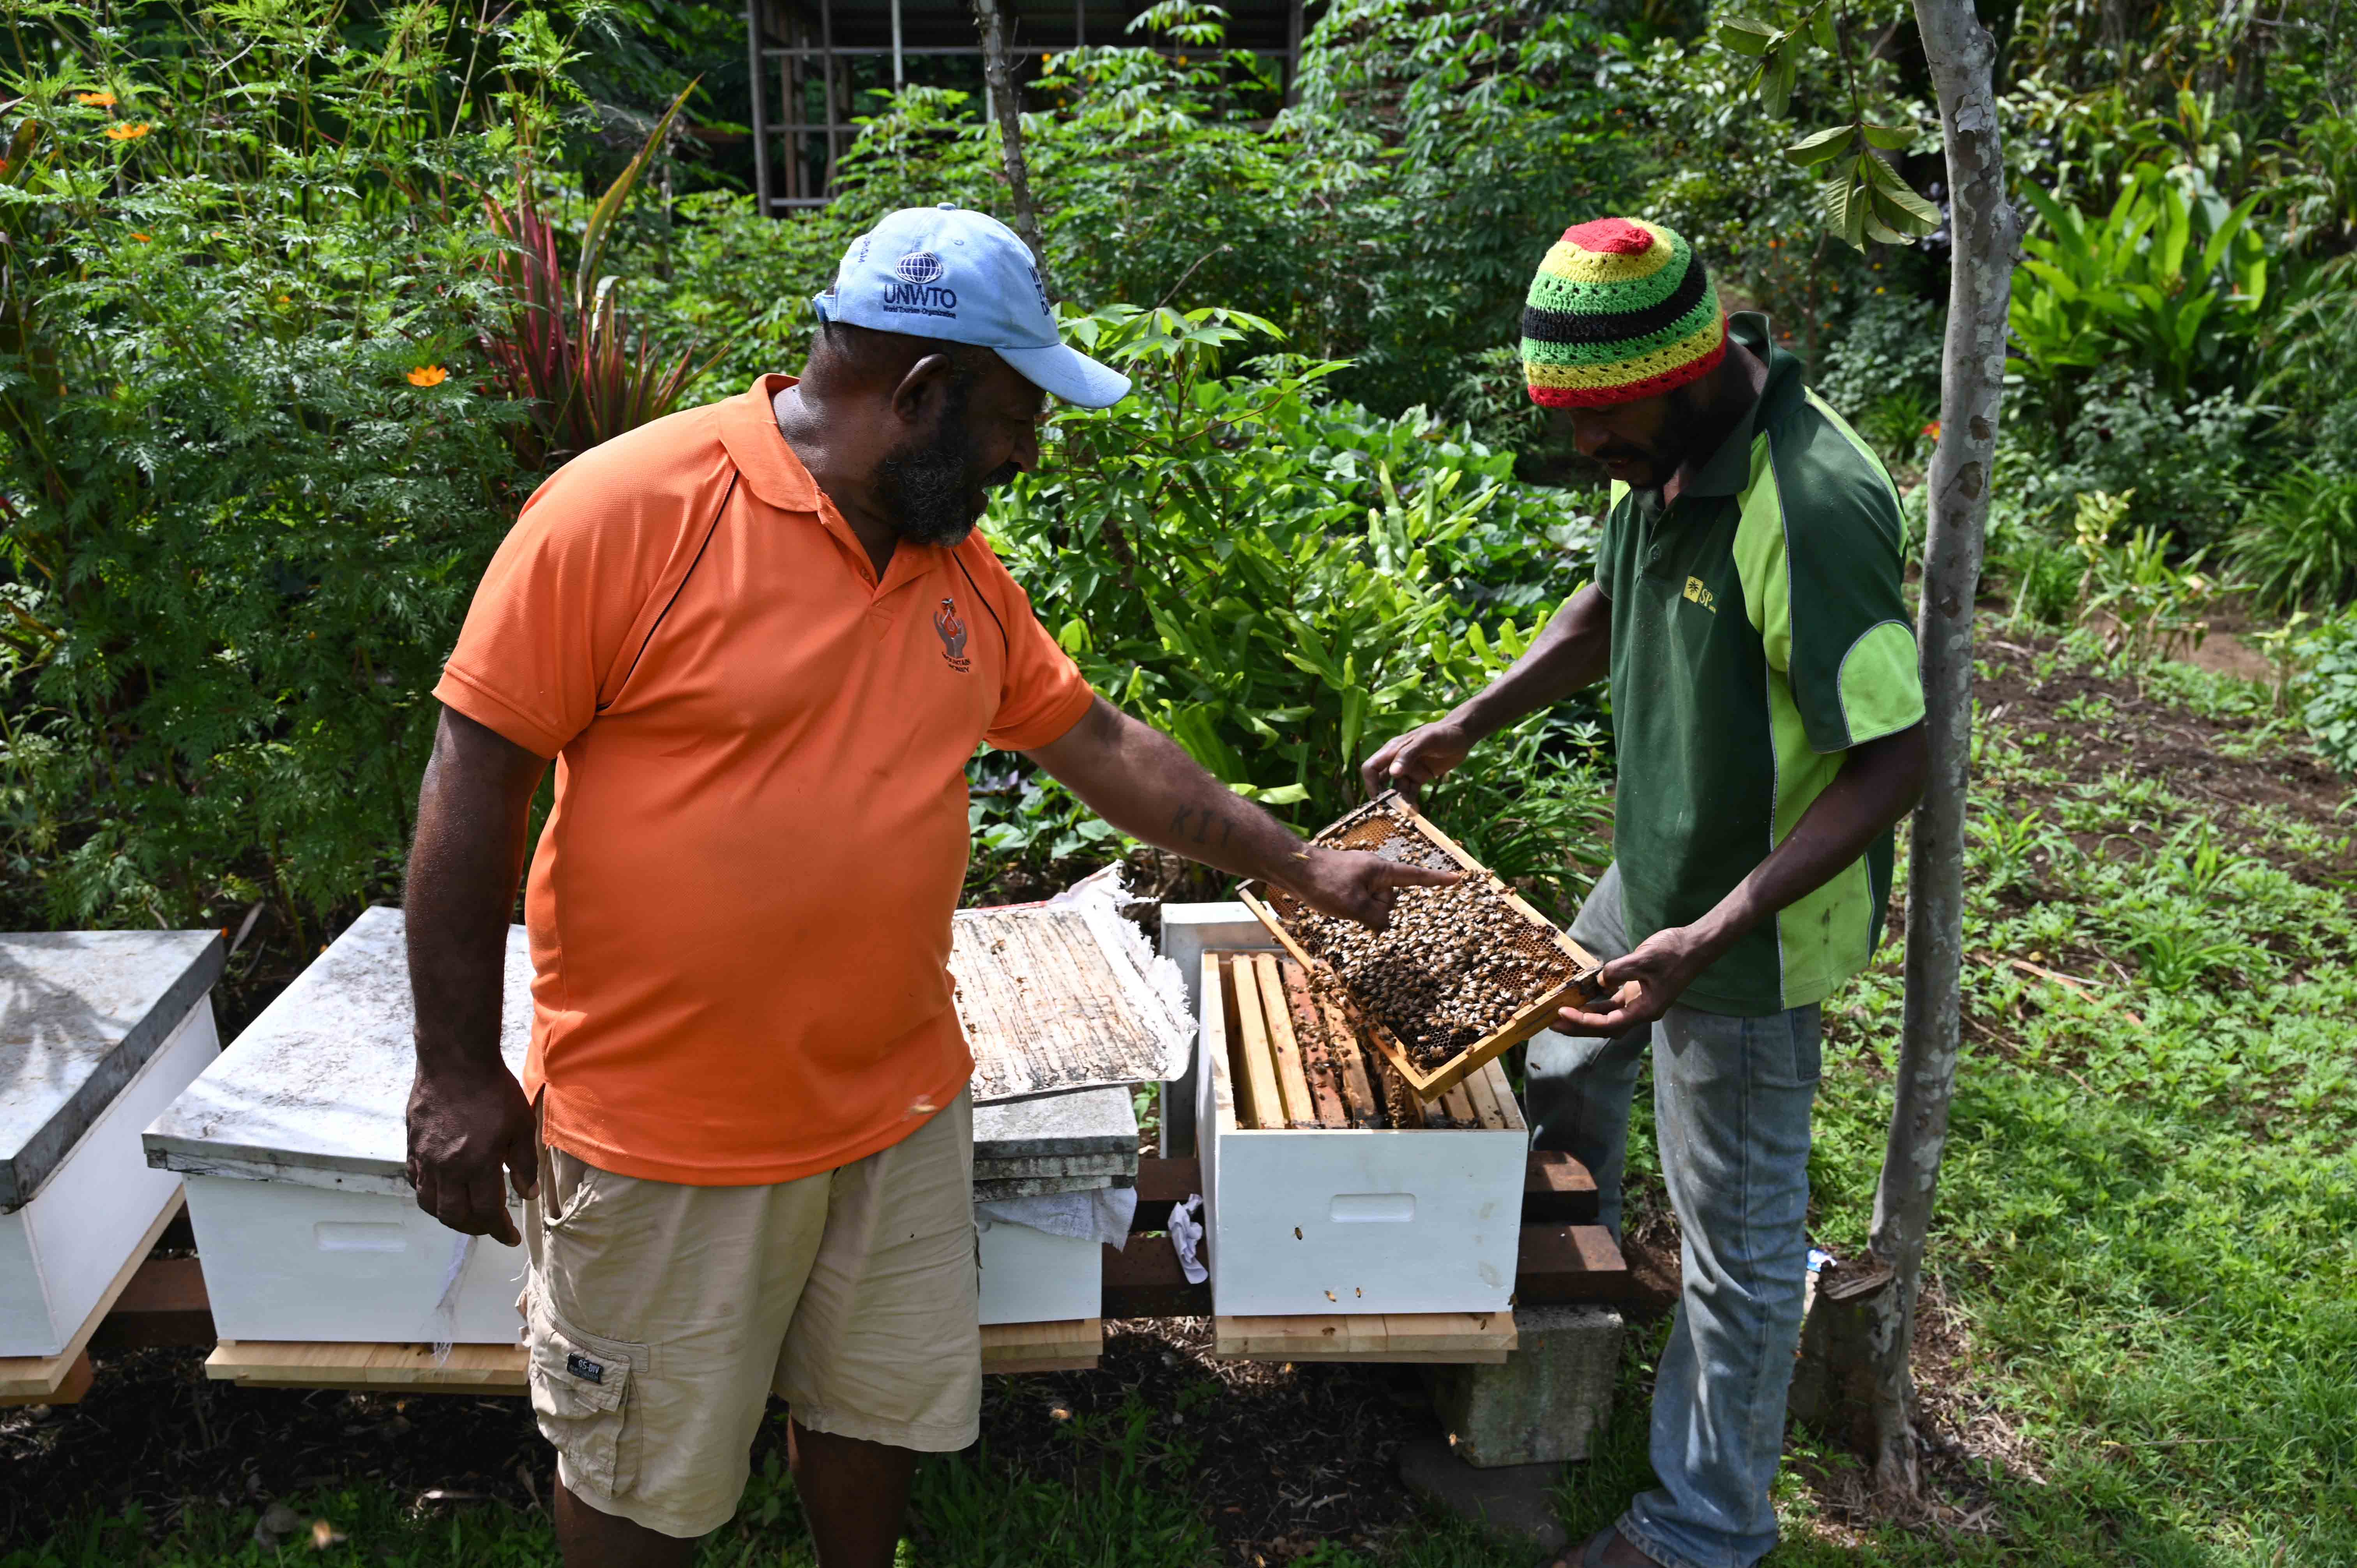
(1768, 722)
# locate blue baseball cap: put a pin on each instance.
(964, 277)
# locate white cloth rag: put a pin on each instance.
(1186, 1238)
(446, 1306)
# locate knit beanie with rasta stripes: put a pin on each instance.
(1621, 309)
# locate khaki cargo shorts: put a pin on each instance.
(660, 1318)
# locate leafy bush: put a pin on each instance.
(1281, 584)
(2118, 433)
(2298, 539)
(2172, 278)
(2155, 607)
(2330, 709)
(566, 348)
(2046, 583)
(248, 468)
(1473, 132)
(1883, 372)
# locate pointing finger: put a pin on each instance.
(1396, 873)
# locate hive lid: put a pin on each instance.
(316, 1090)
(1066, 994)
(80, 1012)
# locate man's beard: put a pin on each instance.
(928, 485)
(1688, 412)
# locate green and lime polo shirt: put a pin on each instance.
(1757, 633)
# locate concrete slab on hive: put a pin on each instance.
(315, 1090)
(1003, 1188)
(1102, 1166)
(80, 1013)
(1085, 1121)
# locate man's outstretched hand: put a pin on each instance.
(1357, 886)
(467, 1129)
(1640, 986)
(1408, 762)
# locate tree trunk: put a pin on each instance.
(1984, 235)
(1007, 100)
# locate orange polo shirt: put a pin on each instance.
(740, 906)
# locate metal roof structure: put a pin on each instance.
(812, 61)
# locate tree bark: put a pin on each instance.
(1007, 101)
(1985, 233)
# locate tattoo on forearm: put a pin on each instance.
(1202, 818)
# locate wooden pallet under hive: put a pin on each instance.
(415, 1369)
(1556, 972)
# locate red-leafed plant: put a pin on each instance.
(567, 346)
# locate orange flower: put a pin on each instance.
(1932, 430)
(428, 376)
(143, 239)
(95, 100)
(126, 132)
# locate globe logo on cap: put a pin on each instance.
(918, 267)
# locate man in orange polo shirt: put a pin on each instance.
(760, 640)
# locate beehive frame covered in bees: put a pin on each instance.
(1553, 970)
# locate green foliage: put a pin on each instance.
(2172, 278)
(1473, 132)
(2298, 539)
(2330, 710)
(1862, 196)
(1282, 582)
(2045, 586)
(250, 473)
(1888, 357)
(566, 348)
(2186, 464)
(2154, 606)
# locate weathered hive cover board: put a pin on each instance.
(316, 1090)
(1065, 995)
(80, 1013)
(1089, 1122)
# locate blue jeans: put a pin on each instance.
(1731, 1101)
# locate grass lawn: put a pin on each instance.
(2141, 1346)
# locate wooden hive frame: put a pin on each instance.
(1350, 830)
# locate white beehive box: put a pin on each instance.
(1064, 1149)
(1029, 1276)
(1349, 1221)
(295, 1151)
(98, 1031)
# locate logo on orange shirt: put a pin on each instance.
(952, 635)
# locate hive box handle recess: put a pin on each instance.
(1371, 1208)
(360, 1236)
